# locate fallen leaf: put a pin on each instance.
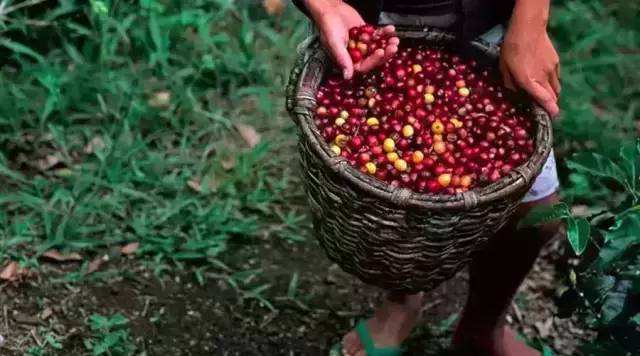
(48, 162)
(228, 163)
(10, 272)
(273, 7)
(130, 248)
(249, 134)
(160, 99)
(46, 313)
(55, 255)
(194, 184)
(95, 264)
(96, 144)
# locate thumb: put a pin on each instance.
(338, 50)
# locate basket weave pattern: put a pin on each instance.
(390, 237)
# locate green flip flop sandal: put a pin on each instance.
(369, 346)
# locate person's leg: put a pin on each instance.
(390, 324)
(495, 275)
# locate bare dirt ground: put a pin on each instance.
(175, 315)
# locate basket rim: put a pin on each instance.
(301, 103)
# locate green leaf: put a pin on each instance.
(597, 165)
(596, 287)
(631, 162)
(543, 214)
(547, 351)
(293, 286)
(615, 301)
(20, 48)
(578, 232)
(619, 239)
(636, 319)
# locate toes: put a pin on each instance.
(351, 344)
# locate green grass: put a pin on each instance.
(134, 108)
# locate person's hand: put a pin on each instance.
(529, 61)
(334, 19)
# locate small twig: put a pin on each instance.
(35, 337)
(430, 305)
(6, 317)
(517, 312)
(145, 309)
(268, 319)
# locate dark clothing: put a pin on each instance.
(474, 17)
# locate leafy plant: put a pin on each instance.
(606, 285)
(110, 336)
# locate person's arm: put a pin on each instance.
(334, 18)
(528, 59)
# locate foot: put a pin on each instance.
(503, 343)
(390, 325)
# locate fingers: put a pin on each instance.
(372, 61)
(389, 30)
(338, 51)
(544, 95)
(392, 48)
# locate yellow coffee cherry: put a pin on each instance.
(464, 91)
(439, 147)
(371, 167)
(344, 114)
(372, 121)
(392, 157)
(444, 179)
(336, 149)
(456, 123)
(430, 89)
(429, 98)
(400, 165)
(417, 156)
(407, 131)
(465, 181)
(437, 138)
(416, 68)
(437, 127)
(388, 145)
(341, 140)
(339, 121)
(362, 47)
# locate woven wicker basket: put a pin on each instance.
(390, 237)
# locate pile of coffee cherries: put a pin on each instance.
(427, 120)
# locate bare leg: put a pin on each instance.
(390, 325)
(495, 275)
